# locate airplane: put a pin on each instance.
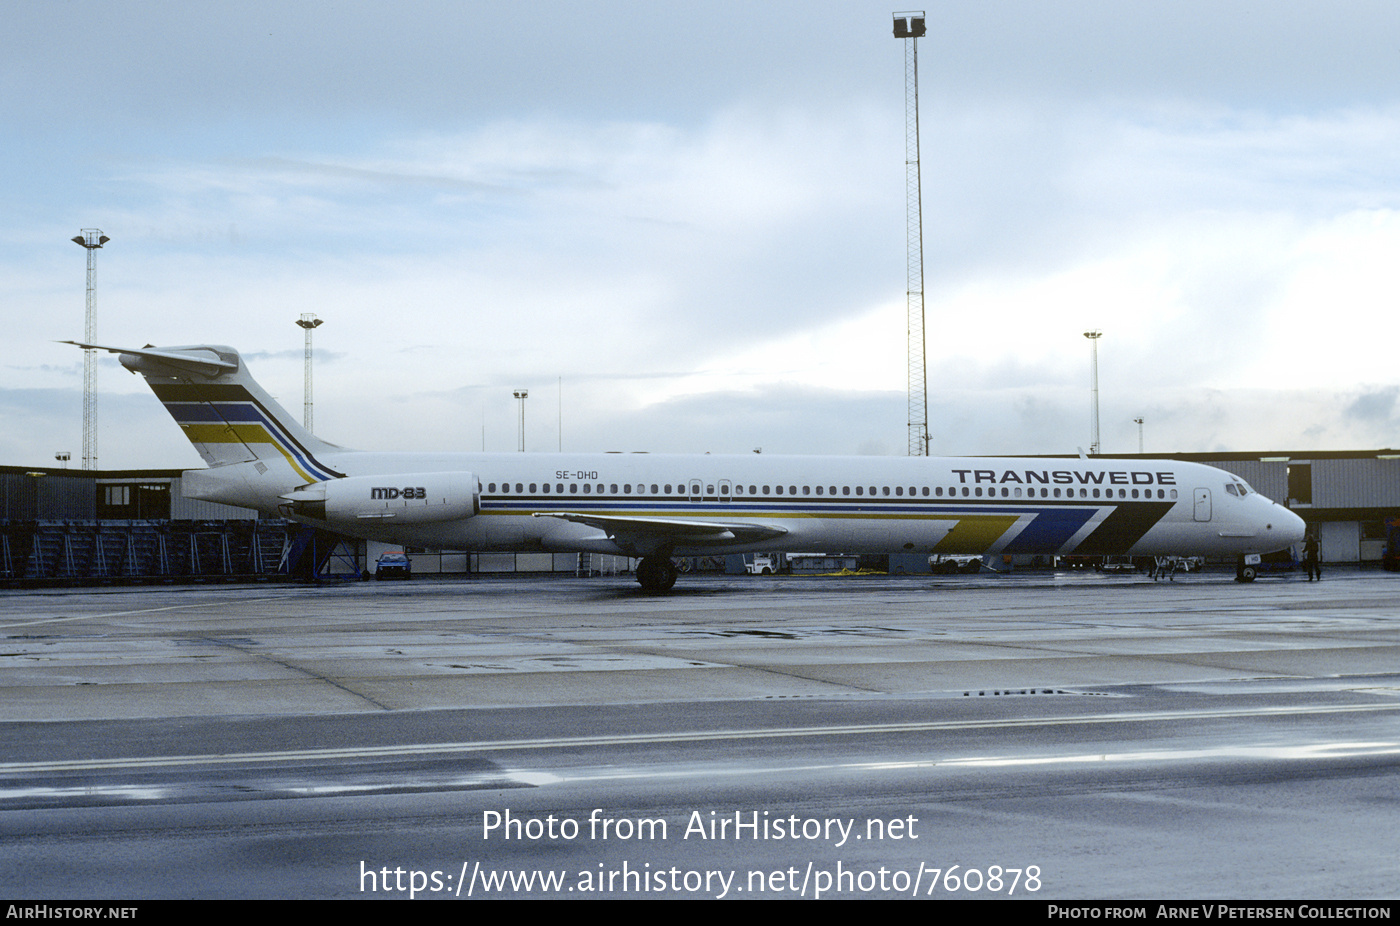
(656, 506)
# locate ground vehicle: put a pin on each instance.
(392, 565)
(940, 564)
(764, 564)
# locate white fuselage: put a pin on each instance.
(983, 506)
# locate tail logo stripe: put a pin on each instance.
(229, 414)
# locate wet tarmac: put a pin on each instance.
(1039, 735)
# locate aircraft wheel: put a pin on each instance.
(1246, 574)
(656, 573)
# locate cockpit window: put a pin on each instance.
(1230, 487)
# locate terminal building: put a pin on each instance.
(61, 525)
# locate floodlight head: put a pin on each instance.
(92, 240)
(909, 25)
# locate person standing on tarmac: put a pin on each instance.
(1311, 561)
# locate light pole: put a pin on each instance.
(909, 26)
(1139, 424)
(92, 239)
(522, 394)
(310, 322)
(1093, 337)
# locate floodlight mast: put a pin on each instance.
(909, 26)
(92, 239)
(1093, 337)
(522, 395)
(310, 322)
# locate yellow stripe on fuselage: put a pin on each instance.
(975, 532)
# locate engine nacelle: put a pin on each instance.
(403, 498)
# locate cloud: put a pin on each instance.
(1374, 407)
(695, 231)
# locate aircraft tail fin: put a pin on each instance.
(223, 411)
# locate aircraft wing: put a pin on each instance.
(623, 529)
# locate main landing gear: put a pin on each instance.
(656, 573)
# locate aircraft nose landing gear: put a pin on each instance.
(1246, 572)
(656, 573)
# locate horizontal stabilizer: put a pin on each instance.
(198, 360)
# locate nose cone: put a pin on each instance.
(1288, 528)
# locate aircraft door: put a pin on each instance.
(1202, 510)
(697, 490)
(725, 490)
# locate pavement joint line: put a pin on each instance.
(173, 607)
(29, 768)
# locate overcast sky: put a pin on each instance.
(683, 223)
